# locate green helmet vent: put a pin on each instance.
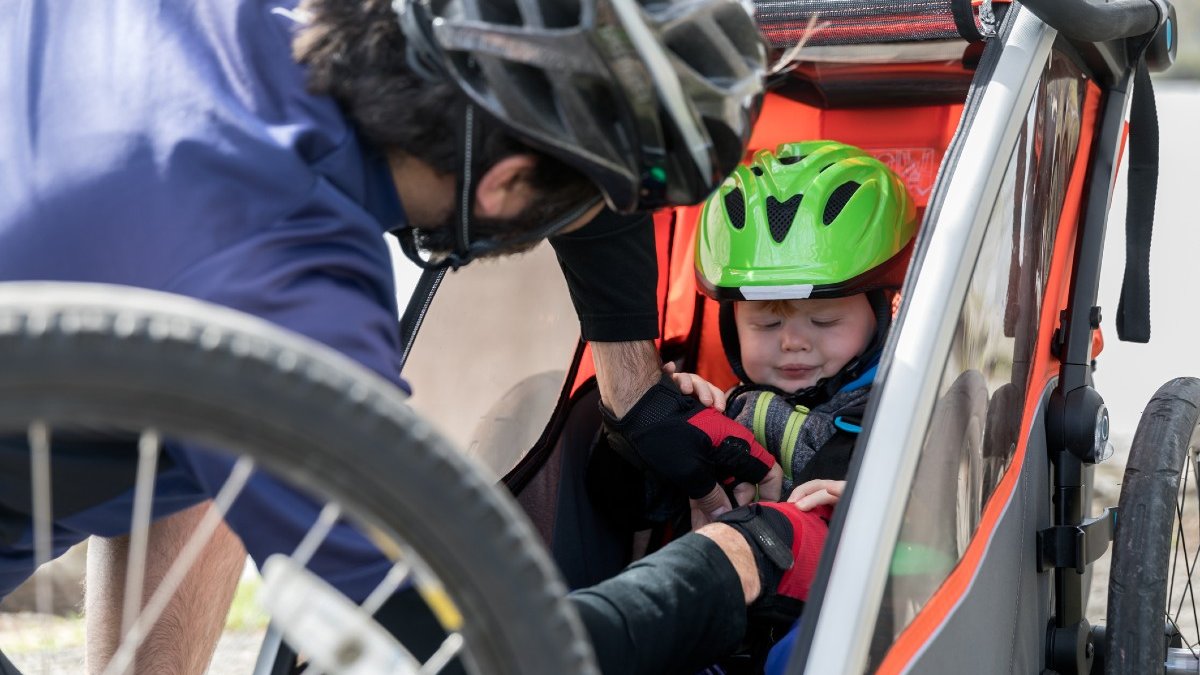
(735, 206)
(837, 201)
(791, 160)
(781, 215)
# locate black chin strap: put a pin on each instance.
(469, 140)
(433, 271)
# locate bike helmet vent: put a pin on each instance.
(735, 208)
(780, 216)
(653, 100)
(817, 219)
(838, 200)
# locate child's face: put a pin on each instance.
(792, 344)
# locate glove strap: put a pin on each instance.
(770, 537)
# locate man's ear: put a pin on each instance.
(505, 189)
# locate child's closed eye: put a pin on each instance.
(826, 322)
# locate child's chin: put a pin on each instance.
(793, 386)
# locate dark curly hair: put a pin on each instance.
(354, 52)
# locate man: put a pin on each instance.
(184, 149)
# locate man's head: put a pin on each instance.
(599, 91)
(355, 52)
(823, 230)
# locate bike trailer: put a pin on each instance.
(966, 539)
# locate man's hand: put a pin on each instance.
(814, 493)
(787, 545)
(716, 502)
(692, 447)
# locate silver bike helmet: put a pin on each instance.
(653, 100)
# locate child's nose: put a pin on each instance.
(794, 341)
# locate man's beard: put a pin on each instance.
(510, 235)
(440, 240)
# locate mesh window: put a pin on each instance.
(560, 13)
(780, 216)
(735, 208)
(837, 201)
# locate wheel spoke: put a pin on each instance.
(449, 648)
(139, 533)
(316, 534)
(1193, 464)
(180, 568)
(39, 446)
(397, 575)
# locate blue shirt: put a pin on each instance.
(173, 146)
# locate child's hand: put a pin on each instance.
(697, 387)
(814, 493)
(770, 489)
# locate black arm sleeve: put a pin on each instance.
(675, 611)
(611, 269)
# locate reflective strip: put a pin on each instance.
(790, 434)
(796, 292)
(760, 417)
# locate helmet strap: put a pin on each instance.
(729, 339)
(469, 139)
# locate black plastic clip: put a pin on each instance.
(1076, 546)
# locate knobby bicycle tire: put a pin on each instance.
(1137, 587)
(96, 354)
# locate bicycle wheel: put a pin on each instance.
(1154, 546)
(83, 356)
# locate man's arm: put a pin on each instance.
(679, 609)
(685, 606)
(611, 269)
(624, 372)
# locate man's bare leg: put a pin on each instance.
(183, 639)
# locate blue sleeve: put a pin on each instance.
(317, 272)
(777, 660)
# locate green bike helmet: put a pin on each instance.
(811, 220)
(818, 219)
